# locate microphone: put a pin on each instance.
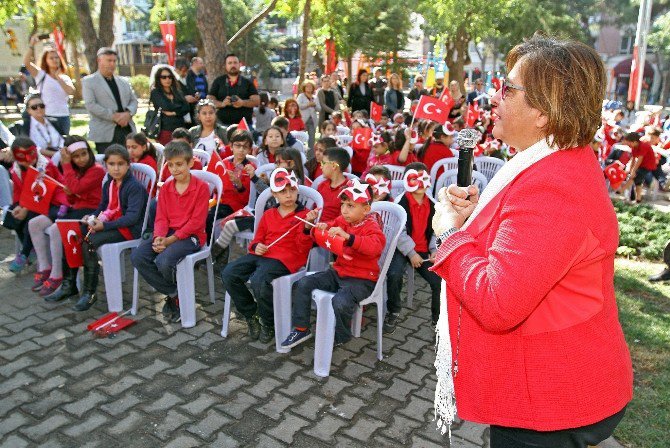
(467, 140)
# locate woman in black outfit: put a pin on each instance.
(360, 93)
(167, 96)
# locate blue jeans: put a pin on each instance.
(159, 270)
(63, 124)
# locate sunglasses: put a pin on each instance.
(37, 106)
(508, 85)
(166, 76)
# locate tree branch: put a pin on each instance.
(251, 23)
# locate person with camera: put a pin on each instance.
(233, 95)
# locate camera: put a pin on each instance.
(44, 36)
(234, 99)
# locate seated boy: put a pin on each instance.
(179, 229)
(416, 245)
(272, 253)
(333, 164)
(353, 276)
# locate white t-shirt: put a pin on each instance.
(45, 135)
(207, 143)
(54, 97)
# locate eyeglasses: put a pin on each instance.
(326, 162)
(508, 85)
(166, 76)
(37, 106)
(240, 146)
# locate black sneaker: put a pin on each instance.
(433, 324)
(175, 316)
(167, 307)
(296, 337)
(390, 322)
(254, 326)
(661, 276)
(267, 334)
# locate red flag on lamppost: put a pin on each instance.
(169, 32)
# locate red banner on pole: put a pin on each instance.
(331, 56)
(634, 75)
(169, 32)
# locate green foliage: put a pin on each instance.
(643, 230)
(10, 8)
(61, 13)
(659, 38)
(140, 84)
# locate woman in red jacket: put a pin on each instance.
(538, 350)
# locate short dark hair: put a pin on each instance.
(117, 150)
(328, 142)
(178, 149)
(182, 133)
(141, 139)
(230, 131)
(241, 135)
(230, 55)
(22, 142)
(339, 156)
(655, 131)
(280, 122)
(416, 166)
(632, 137)
(104, 51)
(380, 170)
(181, 63)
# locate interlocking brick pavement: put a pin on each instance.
(157, 384)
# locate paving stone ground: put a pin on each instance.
(158, 385)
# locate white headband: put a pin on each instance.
(77, 145)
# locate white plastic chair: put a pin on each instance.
(203, 156)
(394, 219)
(112, 254)
(350, 151)
(100, 160)
(343, 130)
(310, 198)
(6, 195)
(344, 140)
(397, 172)
(449, 177)
(55, 159)
(160, 149)
(302, 136)
(244, 236)
(250, 158)
(449, 163)
(186, 267)
(300, 146)
(488, 166)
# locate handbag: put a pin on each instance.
(152, 122)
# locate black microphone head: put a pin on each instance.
(468, 138)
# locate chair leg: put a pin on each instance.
(226, 315)
(324, 335)
(356, 320)
(210, 278)
(111, 269)
(186, 292)
(410, 285)
(136, 292)
(281, 303)
(380, 325)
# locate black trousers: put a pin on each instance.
(119, 137)
(224, 210)
(259, 271)
(348, 291)
(394, 278)
(582, 437)
(95, 240)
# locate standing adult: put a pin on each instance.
(52, 82)
(8, 93)
(459, 101)
(234, 95)
(539, 353)
(394, 98)
(478, 94)
(418, 89)
(166, 95)
(328, 97)
(378, 85)
(360, 93)
(309, 108)
(336, 83)
(181, 69)
(110, 101)
(196, 81)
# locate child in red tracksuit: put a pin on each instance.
(267, 261)
(353, 275)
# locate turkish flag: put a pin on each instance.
(169, 32)
(238, 214)
(216, 165)
(70, 233)
(376, 112)
(334, 244)
(473, 114)
(432, 109)
(447, 99)
(616, 174)
(242, 125)
(496, 83)
(37, 191)
(361, 138)
(634, 75)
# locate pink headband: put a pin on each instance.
(77, 145)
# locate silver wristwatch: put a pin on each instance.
(444, 235)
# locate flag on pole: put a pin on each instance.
(431, 109)
(376, 112)
(169, 32)
(37, 191)
(70, 233)
(216, 165)
(447, 99)
(473, 114)
(361, 138)
(616, 174)
(334, 244)
(634, 75)
(242, 125)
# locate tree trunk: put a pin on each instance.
(77, 72)
(457, 55)
(88, 34)
(106, 23)
(350, 61)
(303, 41)
(212, 29)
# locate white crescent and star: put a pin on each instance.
(356, 139)
(426, 109)
(71, 233)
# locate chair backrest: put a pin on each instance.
(250, 158)
(350, 151)
(203, 156)
(343, 130)
(397, 172)
(307, 196)
(318, 180)
(301, 135)
(6, 187)
(147, 177)
(215, 185)
(449, 163)
(488, 166)
(300, 146)
(55, 159)
(159, 153)
(344, 140)
(100, 160)
(394, 219)
(449, 177)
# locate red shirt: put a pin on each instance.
(369, 241)
(541, 346)
(436, 151)
(331, 199)
(389, 159)
(184, 213)
(165, 173)
(58, 198)
(419, 214)
(293, 249)
(295, 124)
(359, 160)
(645, 151)
(86, 189)
(316, 172)
(231, 196)
(148, 160)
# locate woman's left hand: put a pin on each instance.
(453, 208)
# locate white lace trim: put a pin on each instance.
(445, 397)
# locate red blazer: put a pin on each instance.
(541, 346)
